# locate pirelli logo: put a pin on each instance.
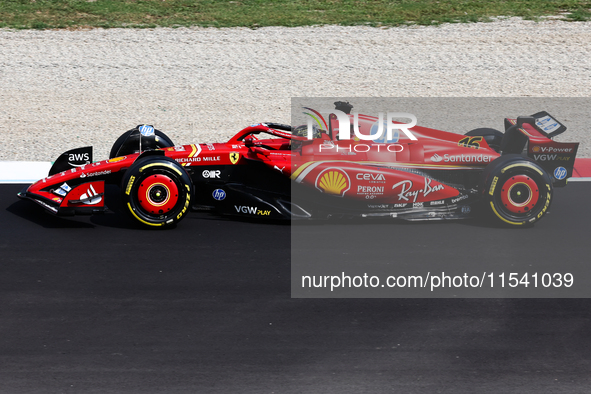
(129, 185)
(493, 185)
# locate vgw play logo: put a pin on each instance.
(392, 135)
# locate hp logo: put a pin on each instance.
(219, 194)
(146, 130)
(560, 173)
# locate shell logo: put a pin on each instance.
(333, 181)
(116, 159)
(536, 149)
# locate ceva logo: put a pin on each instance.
(370, 177)
(333, 181)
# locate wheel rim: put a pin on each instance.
(519, 194)
(158, 194)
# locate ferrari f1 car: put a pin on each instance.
(275, 171)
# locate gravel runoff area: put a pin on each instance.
(64, 89)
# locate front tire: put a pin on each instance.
(157, 191)
(516, 190)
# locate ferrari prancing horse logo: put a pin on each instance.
(234, 157)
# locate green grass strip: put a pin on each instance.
(48, 14)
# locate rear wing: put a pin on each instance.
(532, 136)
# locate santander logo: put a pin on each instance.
(436, 158)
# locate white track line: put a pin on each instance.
(23, 171)
(32, 171)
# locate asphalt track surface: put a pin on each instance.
(98, 305)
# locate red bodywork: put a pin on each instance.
(437, 172)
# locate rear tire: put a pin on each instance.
(157, 191)
(516, 190)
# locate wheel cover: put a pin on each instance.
(158, 194)
(519, 194)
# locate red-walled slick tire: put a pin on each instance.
(516, 190)
(157, 191)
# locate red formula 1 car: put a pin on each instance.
(303, 173)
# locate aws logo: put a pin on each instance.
(78, 159)
(333, 181)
